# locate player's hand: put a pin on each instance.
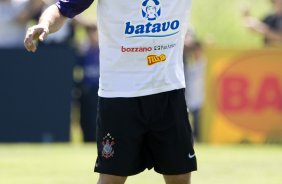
(33, 34)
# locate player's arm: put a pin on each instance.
(50, 21)
(262, 28)
(273, 35)
(53, 19)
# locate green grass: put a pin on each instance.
(73, 164)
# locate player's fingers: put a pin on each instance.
(33, 34)
(34, 46)
(43, 35)
(28, 41)
(29, 45)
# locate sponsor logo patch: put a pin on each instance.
(108, 143)
(152, 12)
(136, 49)
(147, 49)
(153, 59)
(151, 9)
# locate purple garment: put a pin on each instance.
(71, 8)
(275, 23)
(90, 65)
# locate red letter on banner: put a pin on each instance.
(269, 95)
(234, 93)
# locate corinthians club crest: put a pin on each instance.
(108, 142)
(151, 9)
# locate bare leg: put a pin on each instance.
(178, 179)
(111, 179)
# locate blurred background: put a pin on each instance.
(233, 71)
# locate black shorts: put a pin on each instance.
(144, 132)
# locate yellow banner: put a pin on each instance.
(243, 96)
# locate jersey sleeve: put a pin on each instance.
(71, 8)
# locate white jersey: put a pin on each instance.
(141, 46)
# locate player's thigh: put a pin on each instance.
(119, 137)
(178, 179)
(170, 139)
(111, 179)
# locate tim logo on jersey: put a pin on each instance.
(151, 11)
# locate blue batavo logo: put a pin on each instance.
(151, 11)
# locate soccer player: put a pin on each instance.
(142, 116)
